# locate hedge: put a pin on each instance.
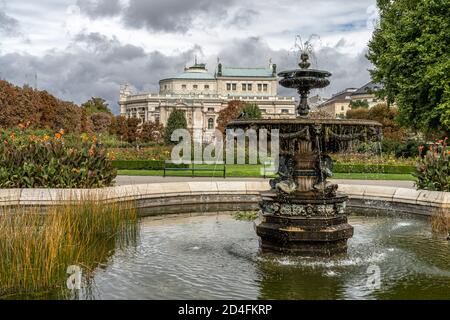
(143, 165)
(338, 168)
(373, 168)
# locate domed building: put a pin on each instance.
(202, 95)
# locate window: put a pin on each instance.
(244, 87)
(184, 87)
(263, 110)
(206, 86)
(266, 87)
(234, 86)
(211, 124)
(229, 86)
(342, 108)
(285, 111)
(195, 87)
(259, 87)
(210, 109)
(249, 87)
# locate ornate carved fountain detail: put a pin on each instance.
(304, 213)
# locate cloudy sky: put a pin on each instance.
(84, 48)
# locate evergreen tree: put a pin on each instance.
(252, 111)
(177, 120)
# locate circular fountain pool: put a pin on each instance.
(217, 257)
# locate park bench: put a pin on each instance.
(196, 166)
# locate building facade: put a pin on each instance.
(202, 95)
(340, 103)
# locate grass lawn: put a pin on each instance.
(248, 171)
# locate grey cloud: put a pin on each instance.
(244, 17)
(172, 15)
(348, 71)
(100, 8)
(162, 15)
(94, 66)
(8, 25)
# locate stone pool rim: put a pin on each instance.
(187, 197)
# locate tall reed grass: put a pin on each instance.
(37, 247)
(440, 221)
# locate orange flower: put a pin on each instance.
(12, 136)
(91, 151)
(21, 126)
(45, 138)
(94, 139)
(85, 137)
(58, 136)
(62, 132)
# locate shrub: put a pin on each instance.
(177, 120)
(433, 169)
(402, 149)
(48, 162)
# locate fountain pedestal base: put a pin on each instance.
(304, 225)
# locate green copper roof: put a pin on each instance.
(247, 72)
(195, 76)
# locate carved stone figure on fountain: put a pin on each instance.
(325, 169)
(285, 183)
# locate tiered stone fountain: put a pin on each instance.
(303, 213)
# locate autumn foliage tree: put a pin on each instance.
(125, 128)
(383, 114)
(43, 110)
(152, 132)
(230, 113)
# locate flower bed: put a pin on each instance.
(44, 161)
(433, 169)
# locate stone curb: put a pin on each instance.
(362, 193)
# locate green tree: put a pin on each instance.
(359, 104)
(96, 105)
(252, 111)
(409, 50)
(177, 120)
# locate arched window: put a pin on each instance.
(211, 124)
